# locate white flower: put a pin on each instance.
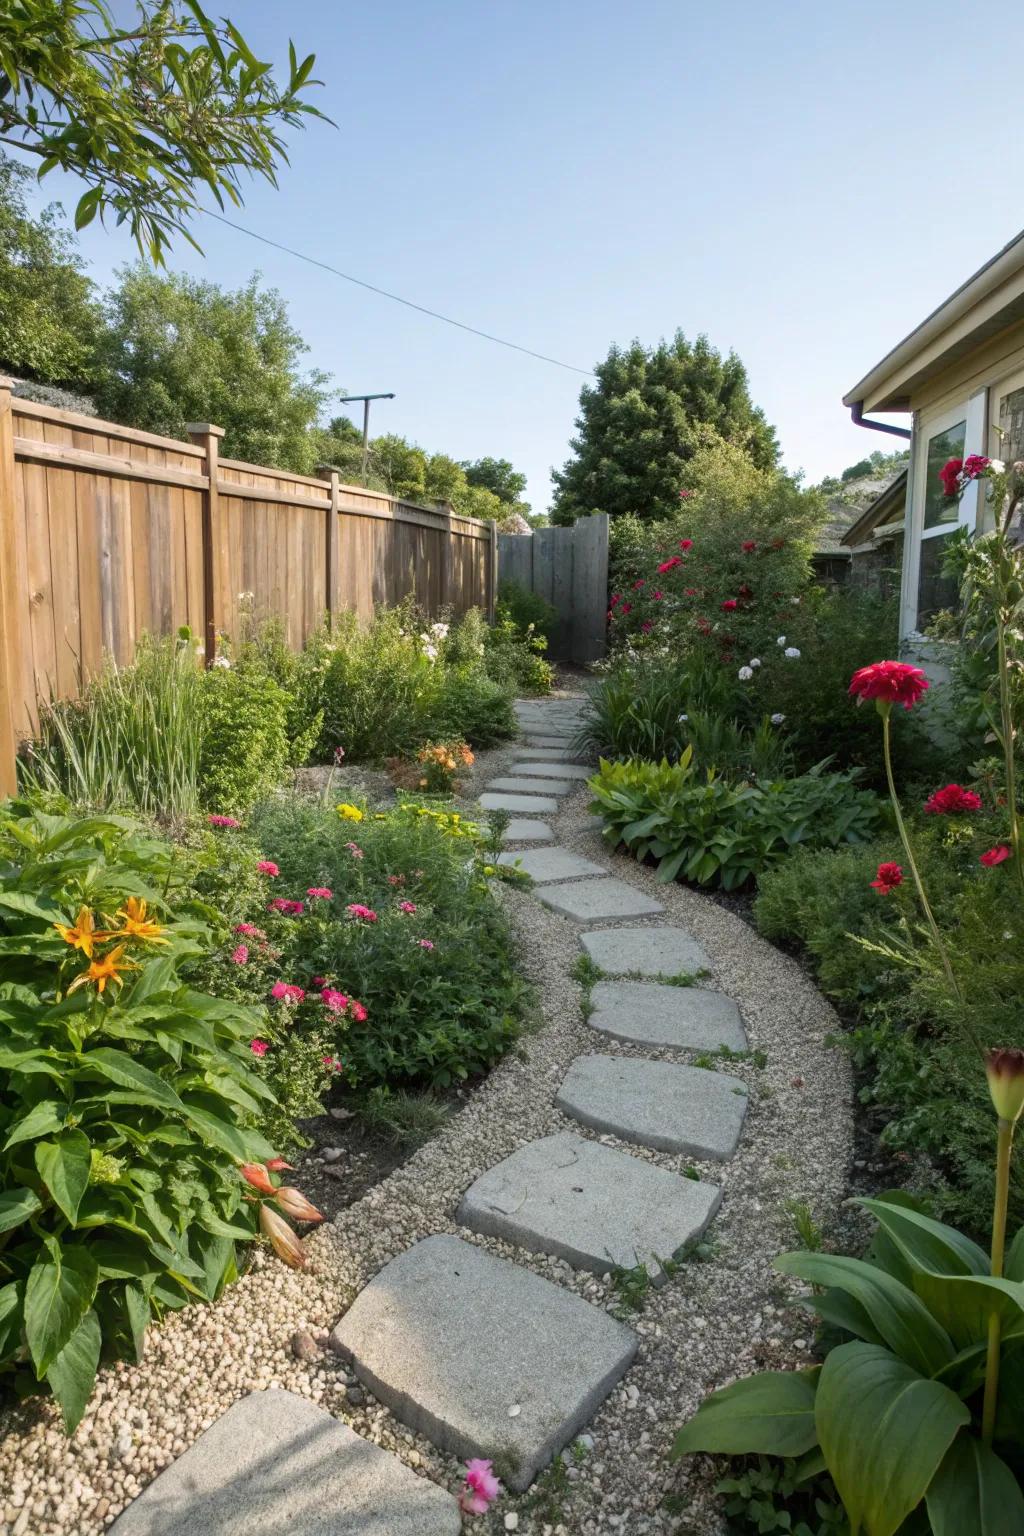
(997, 466)
(221, 661)
(745, 674)
(755, 661)
(439, 631)
(795, 600)
(791, 653)
(777, 719)
(683, 719)
(781, 640)
(430, 651)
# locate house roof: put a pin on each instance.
(887, 506)
(847, 505)
(988, 302)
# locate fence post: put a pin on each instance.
(492, 571)
(10, 640)
(208, 438)
(328, 473)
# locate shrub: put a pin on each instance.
(526, 609)
(515, 658)
(126, 1102)
(244, 734)
(471, 705)
(703, 829)
(264, 650)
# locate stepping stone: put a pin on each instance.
(553, 770)
(656, 1103)
(589, 1204)
(516, 785)
(520, 831)
(546, 864)
(647, 1013)
(549, 755)
(278, 1465)
(591, 900)
(452, 1339)
(648, 951)
(545, 739)
(526, 803)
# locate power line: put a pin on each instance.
(397, 298)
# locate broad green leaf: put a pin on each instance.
(40, 1121)
(771, 1414)
(884, 1430)
(128, 1073)
(58, 1293)
(72, 1374)
(155, 977)
(243, 1146)
(974, 1493)
(964, 1303)
(901, 1318)
(63, 1166)
(16, 1206)
(137, 1310)
(10, 1320)
(839, 1309)
(31, 906)
(928, 1244)
(1013, 1269)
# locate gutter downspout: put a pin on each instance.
(860, 420)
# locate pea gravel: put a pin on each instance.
(716, 1319)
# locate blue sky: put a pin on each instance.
(801, 182)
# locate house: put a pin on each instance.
(850, 504)
(873, 541)
(959, 376)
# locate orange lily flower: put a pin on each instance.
(136, 925)
(107, 968)
(282, 1239)
(257, 1175)
(82, 934)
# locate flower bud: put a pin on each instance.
(257, 1175)
(294, 1204)
(1004, 1068)
(281, 1238)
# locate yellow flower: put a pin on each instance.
(101, 971)
(349, 812)
(82, 934)
(136, 925)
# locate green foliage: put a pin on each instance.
(77, 90)
(642, 422)
(404, 1119)
(526, 609)
(176, 349)
(501, 479)
(765, 1495)
(895, 1411)
(124, 1109)
(47, 313)
(244, 736)
(710, 832)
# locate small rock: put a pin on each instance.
(337, 1113)
(356, 1397)
(303, 1346)
(512, 1521)
(514, 1411)
(331, 1154)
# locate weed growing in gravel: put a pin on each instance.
(709, 1059)
(405, 1119)
(808, 1232)
(553, 1489)
(633, 1286)
(586, 971)
(692, 1173)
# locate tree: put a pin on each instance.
(642, 422)
(175, 349)
(149, 115)
(498, 476)
(48, 315)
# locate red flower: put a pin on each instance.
(646, 626)
(888, 878)
(748, 546)
(949, 474)
(894, 682)
(952, 801)
(626, 608)
(669, 565)
(702, 624)
(685, 543)
(657, 594)
(685, 495)
(975, 464)
(638, 584)
(729, 605)
(995, 856)
(691, 592)
(616, 598)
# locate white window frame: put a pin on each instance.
(974, 412)
(1006, 386)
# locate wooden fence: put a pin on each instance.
(568, 567)
(108, 533)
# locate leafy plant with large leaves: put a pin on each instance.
(895, 1415)
(125, 1102)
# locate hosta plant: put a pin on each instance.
(126, 1101)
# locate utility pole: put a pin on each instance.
(350, 400)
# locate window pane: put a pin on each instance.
(938, 507)
(1010, 444)
(934, 591)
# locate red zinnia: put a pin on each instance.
(892, 681)
(669, 565)
(748, 546)
(975, 464)
(952, 801)
(995, 856)
(949, 474)
(685, 543)
(729, 605)
(888, 878)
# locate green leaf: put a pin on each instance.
(31, 906)
(58, 1293)
(72, 1374)
(884, 1430)
(771, 1414)
(137, 1310)
(16, 1206)
(1013, 1268)
(964, 1303)
(243, 1146)
(10, 1320)
(63, 1166)
(120, 1068)
(928, 1244)
(40, 1120)
(901, 1318)
(974, 1493)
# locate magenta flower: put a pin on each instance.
(267, 867)
(362, 914)
(259, 1047)
(358, 1012)
(407, 906)
(289, 908)
(332, 1063)
(240, 955)
(482, 1488)
(287, 992)
(425, 943)
(223, 821)
(335, 1001)
(355, 850)
(319, 893)
(250, 930)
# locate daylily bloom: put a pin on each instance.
(268, 867)
(256, 1174)
(281, 1238)
(1004, 1068)
(890, 682)
(82, 934)
(275, 1164)
(137, 925)
(995, 856)
(294, 1204)
(106, 969)
(888, 878)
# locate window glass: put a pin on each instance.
(938, 507)
(934, 591)
(1010, 438)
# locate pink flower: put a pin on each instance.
(267, 867)
(320, 893)
(223, 821)
(995, 856)
(339, 755)
(685, 495)
(358, 1012)
(362, 914)
(894, 682)
(275, 1164)
(425, 943)
(975, 464)
(259, 1047)
(686, 543)
(646, 626)
(287, 992)
(748, 546)
(888, 878)
(729, 605)
(396, 879)
(319, 981)
(407, 906)
(657, 594)
(250, 930)
(290, 908)
(332, 1063)
(335, 1002)
(690, 592)
(240, 955)
(355, 850)
(638, 584)
(952, 801)
(482, 1488)
(256, 1173)
(669, 565)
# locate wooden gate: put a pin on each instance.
(568, 567)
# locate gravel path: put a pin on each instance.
(714, 1320)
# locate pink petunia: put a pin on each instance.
(240, 955)
(267, 867)
(259, 1047)
(360, 913)
(407, 906)
(287, 992)
(320, 893)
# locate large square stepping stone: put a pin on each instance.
(656, 1103)
(649, 1013)
(277, 1465)
(550, 755)
(546, 864)
(647, 951)
(540, 805)
(546, 738)
(553, 770)
(520, 784)
(481, 1356)
(591, 900)
(521, 830)
(589, 1204)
